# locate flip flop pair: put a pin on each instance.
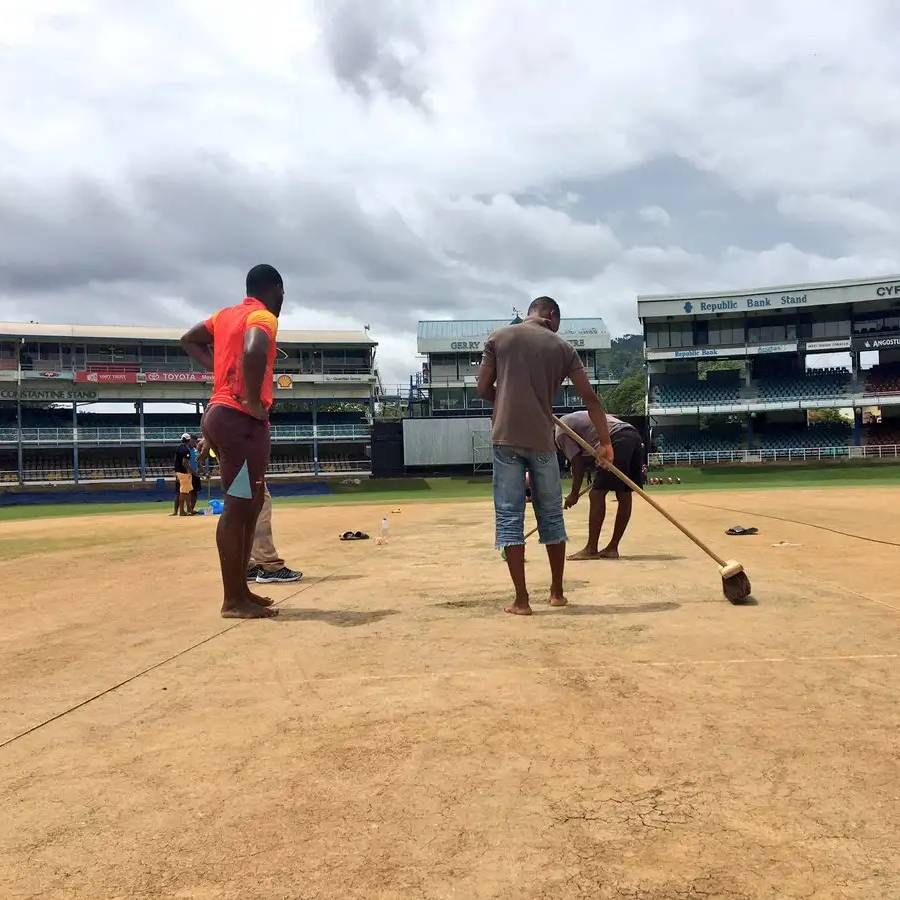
(354, 536)
(739, 529)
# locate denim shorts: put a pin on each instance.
(510, 465)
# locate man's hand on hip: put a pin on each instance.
(256, 409)
(604, 453)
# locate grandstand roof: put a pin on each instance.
(147, 333)
(788, 297)
(441, 335)
(463, 328)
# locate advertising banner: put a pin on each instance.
(697, 353)
(177, 377)
(876, 343)
(106, 377)
(788, 347)
(837, 344)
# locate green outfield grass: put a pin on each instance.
(430, 490)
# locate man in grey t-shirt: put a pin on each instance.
(522, 369)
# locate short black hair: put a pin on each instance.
(261, 278)
(546, 305)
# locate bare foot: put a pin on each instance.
(608, 553)
(519, 609)
(259, 601)
(584, 554)
(557, 601)
(247, 610)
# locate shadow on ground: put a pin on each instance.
(341, 618)
(648, 557)
(318, 579)
(611, 609)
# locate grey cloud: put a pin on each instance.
(527, 241)
(375, 44)
(91, 250)
(175, 220)
(707, 212)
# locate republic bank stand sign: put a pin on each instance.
(789, 298)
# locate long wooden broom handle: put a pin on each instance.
(583, 491)
(638, 490)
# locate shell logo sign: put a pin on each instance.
(284, 382)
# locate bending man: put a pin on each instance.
(628, 455)
(236, 423)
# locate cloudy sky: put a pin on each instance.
(400, 160)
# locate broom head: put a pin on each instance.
(735, 583)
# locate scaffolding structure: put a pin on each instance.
(482, 452)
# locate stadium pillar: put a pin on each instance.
(143, 447)
(315, 420)
(857, 426)
(749, 431)
(75, 441)
(20, 454)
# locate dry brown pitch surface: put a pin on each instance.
(395, 735)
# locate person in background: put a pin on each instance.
(266, 566)
(628, 453)
(183, 480)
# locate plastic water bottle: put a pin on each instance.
(384, 530)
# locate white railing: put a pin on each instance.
(785, 454)
(54, 437)
(763, 403)
(131, 472)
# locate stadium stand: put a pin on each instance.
(883, 379)
(881, 435)
(688, 390)
(799, 437)
(812, 385)
(696, 440)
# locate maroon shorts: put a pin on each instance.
(242, 445)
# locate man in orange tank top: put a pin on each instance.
(238, 344)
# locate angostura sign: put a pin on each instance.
(886, 342)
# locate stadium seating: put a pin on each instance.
(883, 379)
(811, 385)
(881, 435)
(695, 440)
(798, 437)
(689, 391)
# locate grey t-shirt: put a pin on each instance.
(580, 422)
(531, 362)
